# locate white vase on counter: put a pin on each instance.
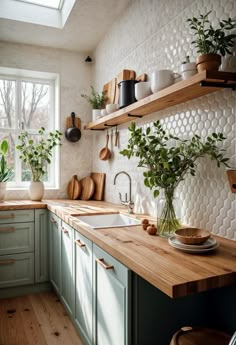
(3, 186)
(36, 191)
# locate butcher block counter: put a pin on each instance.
(151, 257)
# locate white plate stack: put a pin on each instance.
(208, 246)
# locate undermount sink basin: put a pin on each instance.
(108, 220)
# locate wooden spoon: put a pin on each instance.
(116, 138)
(105, 153)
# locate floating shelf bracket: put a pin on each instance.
(214, 84)
(130, 115)
(107, 125)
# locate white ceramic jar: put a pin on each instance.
(187, 70)
(162, 79)
(142, 90)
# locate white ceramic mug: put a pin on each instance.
(162, 78)
(142, 90)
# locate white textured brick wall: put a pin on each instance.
(154, 35)
(75, 78)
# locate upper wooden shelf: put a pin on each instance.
(198, 85)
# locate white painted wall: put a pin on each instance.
(75, 78)
(154, 35)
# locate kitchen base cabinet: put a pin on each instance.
(41, 246)
(67, 291)
(111, 300)
(54, 252)
(83, 252)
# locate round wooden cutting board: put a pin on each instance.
(88, 187)
(74, 188)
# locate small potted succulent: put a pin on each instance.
(211, 43)
(97, 102)
(36, 154)
(187, 68)
(5, 172)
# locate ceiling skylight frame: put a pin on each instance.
(45, 3)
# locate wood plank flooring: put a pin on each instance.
(38, 319)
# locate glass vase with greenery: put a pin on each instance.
(167, 160)
(37, 153)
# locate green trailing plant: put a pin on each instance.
(36, 154)
(167, 159)
(209, 40)
(5, 172)
(96, 100)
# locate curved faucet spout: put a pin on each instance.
(129, 201)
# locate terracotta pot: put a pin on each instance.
(209, 62)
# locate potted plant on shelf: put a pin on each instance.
(211, 43)
(167, 160)
(97, 101)
(5, 172)
(187, 68)
(36, 154)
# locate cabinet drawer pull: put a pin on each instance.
(80, 244)
(7, 229)
(7, 216)
(103, 264)
(7, 262)
(53, 220)
(64, 230)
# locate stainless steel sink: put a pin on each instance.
(109, 221)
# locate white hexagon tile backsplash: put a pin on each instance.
(206, 198)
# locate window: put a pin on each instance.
(28, 102)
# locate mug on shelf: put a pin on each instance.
(142, 90)
(162, 79)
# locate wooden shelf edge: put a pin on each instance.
(178, 93)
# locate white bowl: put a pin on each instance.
(142, 90)
(112, 107)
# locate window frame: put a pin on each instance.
(52, 79)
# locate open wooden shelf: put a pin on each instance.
(198, 85)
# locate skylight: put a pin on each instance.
(57, 4)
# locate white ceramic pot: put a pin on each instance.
(162, 79)
(110, 108)
(103, 112)
(36, 191)
(96, 114)
(187, 70)
(142, 90)
(3, 186)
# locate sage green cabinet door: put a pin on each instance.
(18, 216)
(16, 269)
(110, 300)
(83, 286)
(16, 238)
(55, 251)
(41, 245)
(67, 290)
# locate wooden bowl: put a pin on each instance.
(192, 235)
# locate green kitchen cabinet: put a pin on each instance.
(41, 245)
(67, 291)
(83, 252)
(111, 300)
(55, 251)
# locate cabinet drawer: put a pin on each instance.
(16, 269)
(16, 216)
(16, 238)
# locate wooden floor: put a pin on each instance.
(38, 319)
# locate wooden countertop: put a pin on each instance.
(173, 272)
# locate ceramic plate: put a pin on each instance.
(209, 243)
(194, 250)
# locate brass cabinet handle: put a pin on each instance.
(10, 229)
(7, 262)
(7, 216)
(64, 230)
(104, 265)
(80, 244)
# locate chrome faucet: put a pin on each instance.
(127, 202)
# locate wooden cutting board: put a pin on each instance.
(110, 89)
(99, 180)
(88, 187)
(74, 188)
(125, 74)
(142, 77)
(69, 122)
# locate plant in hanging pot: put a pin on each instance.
(36, 154)
(211, 43)
(5, 172)
(97, 102)
(168, 160)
